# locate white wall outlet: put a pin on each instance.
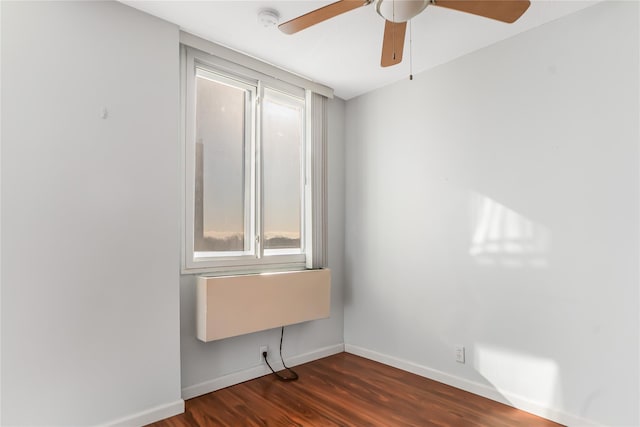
(263, 348)
(459, 355)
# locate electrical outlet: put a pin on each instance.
(459, 354)
(263, 349)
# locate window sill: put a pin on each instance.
(242, 270)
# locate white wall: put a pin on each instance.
(90, 215)
(90, 221)
(210, 366)
(493, 202)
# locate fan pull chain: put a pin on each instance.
(410, 51)
(393, 13)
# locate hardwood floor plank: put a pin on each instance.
(347, 390)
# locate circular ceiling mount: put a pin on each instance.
(268, 17)
(400, 10)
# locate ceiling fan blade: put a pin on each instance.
(502, 10)
(393, 43)
(316, 16)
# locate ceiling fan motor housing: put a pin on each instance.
(400, 10)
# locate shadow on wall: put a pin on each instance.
(502, 237)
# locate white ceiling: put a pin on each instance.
(344, 52)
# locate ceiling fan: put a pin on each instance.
(397, 12)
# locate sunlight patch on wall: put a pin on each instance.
(502, 237)
(513, 373)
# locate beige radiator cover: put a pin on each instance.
(235, 305)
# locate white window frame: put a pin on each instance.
(314, 235)
(250, 170)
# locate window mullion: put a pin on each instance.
(250, 190)
(258, 181)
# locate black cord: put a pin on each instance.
(293, 376)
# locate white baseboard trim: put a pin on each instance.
(483, 390)
(223, 382)
(315, 355)
(150, 415)
(256, 372)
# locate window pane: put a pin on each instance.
(282, 139)
(220, 224)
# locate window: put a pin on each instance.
(254, 174)
(283, 172)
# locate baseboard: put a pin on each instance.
(223, 382)
(150, 415)
(315, 355)
(256, 372)
(483, 390)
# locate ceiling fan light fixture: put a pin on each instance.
(400, 10)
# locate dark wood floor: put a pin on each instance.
(347, 390)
